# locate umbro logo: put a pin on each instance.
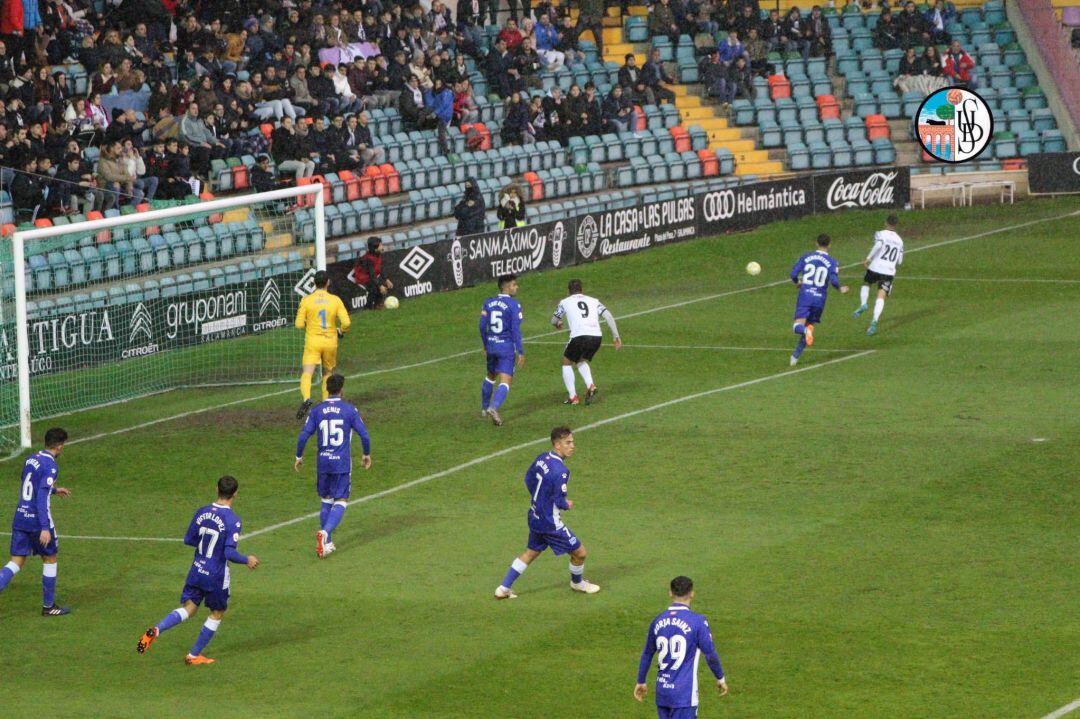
(141, 323)
(416, 263)
(270, 298)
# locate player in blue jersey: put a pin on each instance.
(500, 331)
(334, 421)
(678, 637)
(813, 273)
(214, 532)
(545, 481)
(33, 530)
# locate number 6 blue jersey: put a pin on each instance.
(814, 272)
(678, 637)
(214, 530)
(39, 474)
(334, 421)
(500, 325)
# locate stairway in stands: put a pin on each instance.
(693, 108)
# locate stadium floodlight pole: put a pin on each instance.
(18, 247)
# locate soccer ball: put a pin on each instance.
(391, 303)
(753, 268)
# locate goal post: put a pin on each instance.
(97, 311)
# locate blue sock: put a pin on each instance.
(500, 395)
(324, 512)
(171, 619)
(799, 348)
(10, 570)
(485, 392)
(207, 633)
(799, 329)
(48, 584)
(516, 568)
(333, 519)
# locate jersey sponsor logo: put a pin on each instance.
(557, 237)
(457, 259)
(954, 124)
(875, 190)
(587, 236)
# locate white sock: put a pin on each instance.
(568, 380)
(182, 613)
(879, 305)
(212, 624)
(586, 373)
(864, 294)
(519, 566)
(12, 567)
(48, 570)
(577, 572)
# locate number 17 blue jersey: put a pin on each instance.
(213, 531)
(334, 421)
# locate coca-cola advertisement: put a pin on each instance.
(876, 188)
(1054, 172)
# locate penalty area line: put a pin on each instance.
(724, 348)
(1062, 711)
(585, 428)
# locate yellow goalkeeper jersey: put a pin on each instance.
(320, 315)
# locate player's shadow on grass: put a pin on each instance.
(349, 538)
(602, 575)
(913, 316)
(554, 400)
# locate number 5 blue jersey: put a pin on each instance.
(500, 325)
(39, 474)
(334, 421)
(214, 531)
(814, 272)
(678, 637)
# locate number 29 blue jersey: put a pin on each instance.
(678, 637)
(500, 326)
(334, 421)
(814, 272)
(214, 530)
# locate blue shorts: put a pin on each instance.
(24, 543)
(812, 313)
(216, 599)
(334, 485)
(500, 364)
(677, 712)
(561, 541)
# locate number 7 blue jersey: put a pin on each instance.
(500, 326)
(814, 272)
(334, 421)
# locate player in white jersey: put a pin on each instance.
(582, 314)
(886, 254)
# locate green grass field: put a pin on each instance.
(877, 534)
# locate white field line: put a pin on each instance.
(111, 539)
(1021, 280)
(1067, 709)
(541, 440)
(661, 308)
(725, 348)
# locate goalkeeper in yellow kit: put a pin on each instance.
(324, 319)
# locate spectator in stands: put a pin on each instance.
(886, 32)
(556, 116)
(440, 100)
(113, 173)
(730, 49)
(629, 72)
(529, 64)
(359, 137)
(959, 66)
(772, 32)
(758, 52)
(470, 19)
(662, 22)
(288, 151)
(713, 75)
(145, 186)
(347, 99)
(411, 104)
(590, 17)
(910, 66)
(178, 184)
(794, 30)
(618, 110)
(525, 8)
(204, 146)
(27, 191)
(568, 41)
(262, 175)
(367, 273)
(654, 76)
(75, 182)
(547, 38)
(576, 113)
(502, 74)
(932, 65)
(511, 210)
(594, 112)
(301, 93)
(470, 210)
(818, 34)
(937, 19)
(739, 80)
(747, 20)
(537, 119)
(515, 129)
(510, 34)
(914, 30)
(466, 111)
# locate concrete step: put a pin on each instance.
(759, 168)
(696, 114)
(712, 123)
(751, 156)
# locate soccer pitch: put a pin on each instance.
(888, 530)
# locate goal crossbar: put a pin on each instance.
(20, 237)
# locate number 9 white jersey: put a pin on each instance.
(886, 254)
(582, 314)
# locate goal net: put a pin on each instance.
(114, 308)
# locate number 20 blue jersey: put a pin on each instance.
(814, 272)
(334, 421)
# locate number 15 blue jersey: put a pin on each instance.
(334, 421)
(814, 272)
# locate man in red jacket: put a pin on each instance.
(959, 65)
(368, 274)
